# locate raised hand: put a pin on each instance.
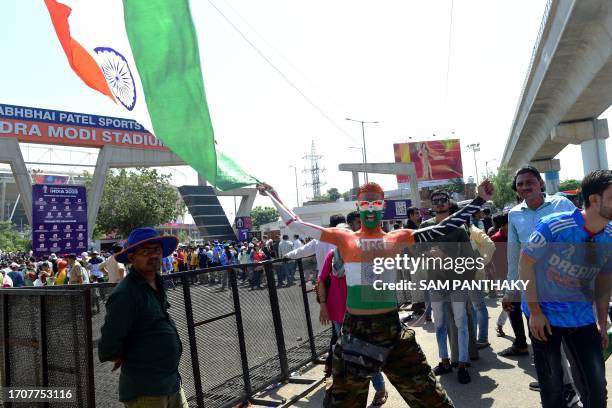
(486, 190)
(264, 188)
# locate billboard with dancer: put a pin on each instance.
(436, 162)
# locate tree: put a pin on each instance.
(11, 240)
(456, 186)
(333, 194)
(263, 215)
(135, 199)
(570, 184)
(502, 180)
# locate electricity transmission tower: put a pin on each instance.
(315, 172)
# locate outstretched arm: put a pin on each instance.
(456, 220)
(303, 251)
(293, 222)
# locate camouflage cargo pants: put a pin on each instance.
(406, 367)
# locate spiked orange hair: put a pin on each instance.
(371, 188)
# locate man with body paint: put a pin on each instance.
(373, 337)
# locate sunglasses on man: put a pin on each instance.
(377, 205)
(439, 200)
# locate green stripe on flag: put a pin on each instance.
(165, 47)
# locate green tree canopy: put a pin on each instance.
(570, 184)
(456, 186)
(133, 199)
(502, 180)
(333, 194)
(11, 240)
(263, 215)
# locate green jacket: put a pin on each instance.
(138, 329)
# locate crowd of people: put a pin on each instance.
(23, 269)
(565, 302)
(547, 241)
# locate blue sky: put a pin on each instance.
(384, 60)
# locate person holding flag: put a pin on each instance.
(373, 338)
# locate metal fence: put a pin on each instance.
(237, 338)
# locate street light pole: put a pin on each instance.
(297, 200)
(475, 147)
(365, 157)
(487, 166)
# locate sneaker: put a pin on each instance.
(463, 375)
(442, 368)
(534, 386)
(500, 331)
(380, 397)
(570, 397)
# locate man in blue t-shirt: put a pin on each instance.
(568, 263)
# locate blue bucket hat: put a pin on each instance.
(147, 235)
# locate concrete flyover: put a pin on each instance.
(568, 86)
(385, 168)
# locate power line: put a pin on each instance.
(311, 102)
(284, 58)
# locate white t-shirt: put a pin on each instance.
(7, 282)
(114, 269)
(297, 244)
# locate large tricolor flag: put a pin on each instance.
(143, 55)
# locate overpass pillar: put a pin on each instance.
(355, 185)
(591, 135)
(594, 156)
(550, 168)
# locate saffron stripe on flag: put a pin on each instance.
(79, 59)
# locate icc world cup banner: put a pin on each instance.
(59, 215)
(436, 162)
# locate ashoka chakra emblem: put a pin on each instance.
(118, 75)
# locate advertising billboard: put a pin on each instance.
(59, 215)
(436, 162)
(46, 126)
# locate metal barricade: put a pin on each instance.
(238, 337)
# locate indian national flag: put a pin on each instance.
(143, 55)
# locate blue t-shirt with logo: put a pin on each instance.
(568, 259)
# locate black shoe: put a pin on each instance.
(534, 386)
(569, 396)
(328, 372)
(463, 375)
(442, 368)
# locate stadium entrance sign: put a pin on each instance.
(51, 127)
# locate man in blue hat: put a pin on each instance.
(138, 334)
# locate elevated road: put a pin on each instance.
(568, 86)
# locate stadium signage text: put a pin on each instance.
(35, 125)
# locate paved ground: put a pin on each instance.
(217, 345)
(496, 381)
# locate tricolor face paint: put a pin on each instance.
(371, 212)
